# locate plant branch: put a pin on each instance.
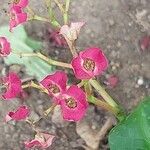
(103, 105)
(39, 18)
(46, 59)
(103, 93)
(50, 109)
(60, 6)
(65, 15)
(53, 20)
(34, 85)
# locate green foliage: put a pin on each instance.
(21, 43)
(134, 132)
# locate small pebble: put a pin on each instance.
(140, 81)
(111, 22)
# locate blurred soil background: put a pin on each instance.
(117, 27)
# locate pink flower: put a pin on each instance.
(90, 63)
(41, 140)
(17, 16)
(71, 33)
(12, 84)
(4, 47)
(55, 83)
(20, 3)
(21, 113)
(73, 104)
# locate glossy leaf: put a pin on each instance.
(134, 132)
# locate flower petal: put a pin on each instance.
(76, 113)
(4, 47)
(79, 72)
(91, 57)
(58, 79)
(21, 113)
(21, 3)
(42, 140)
(17, 16)
(14, 86)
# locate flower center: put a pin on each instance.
(71, 103)
(53, 88)
(89, 64)
(16, 1)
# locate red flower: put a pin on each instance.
(42, 140)
(21, 113)
(4, 47)
(73, 104)
(12, 84)
(90, 63)
(20, 3)
(55, 83)
(17, 16)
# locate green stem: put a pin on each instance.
(65, 15)
(53, 62)
(67, 5)
(50, 109)
(34, 85)
(103, 93)
(88, 89)
(39, 18)
(46, 59)
(82, 83)
(103, 104)
(121, 114)
(53, 20)
(60, 6)
(34, 16)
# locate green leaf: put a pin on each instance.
(21, 43)
(134, 132)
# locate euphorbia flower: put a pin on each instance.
(71, 33)
(12, 83)
(55, 83)
(21, 113)
(73, 104)
(41, 140)
(89, 63)
(4, 47)
(20, 3)
(17, 16)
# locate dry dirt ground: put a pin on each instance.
(116, 26)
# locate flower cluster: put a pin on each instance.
(72, 99)
(17, 14)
